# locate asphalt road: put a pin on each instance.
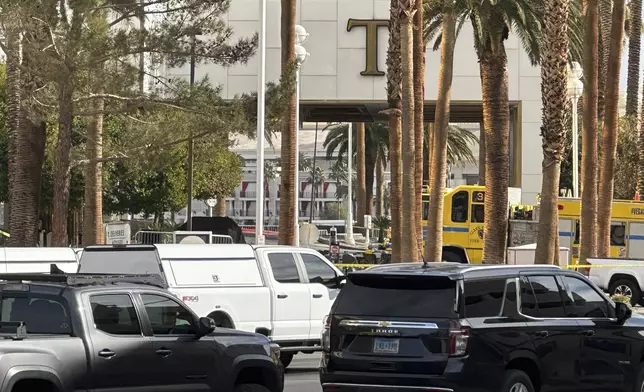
(302, 374)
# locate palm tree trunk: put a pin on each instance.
(605, 10)
(394, 98)
(361, 187)
(419, 121)
(409, 250)
(288, 153)
(13, 82)
(434, 242)
(610, 130)
(481, 155)
(589, 157)
(496, 123)
(380, 186)
(554, 84)
(634, 44)
(370, 168)
(93, 206)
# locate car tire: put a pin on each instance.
(516, 381)
(451, 257)
(286, 359)
(251, 388)
(620, 284)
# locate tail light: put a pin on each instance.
(458, 338)
(326, 335)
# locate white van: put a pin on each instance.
(282, 292)
(37, 260)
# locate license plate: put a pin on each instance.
(386, 346)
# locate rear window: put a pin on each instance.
(137, 262)
(41, 314)
(397, 296)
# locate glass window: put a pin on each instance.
(319, 271)
(582, 300)
(388, 296)
(167, 317)
(284, 267)
(460, 201)
(618, 234)
(115, 314)
(478, 213)
(484, 298)
(545, 300)
(41, 314)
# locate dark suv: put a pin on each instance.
(444, 327)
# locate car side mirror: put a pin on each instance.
(622, 312)
(205, 326)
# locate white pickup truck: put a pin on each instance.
(282, 292)
(626, 277)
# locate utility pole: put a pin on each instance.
(191, 143)
(313, 179)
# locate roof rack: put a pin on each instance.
(86, 279)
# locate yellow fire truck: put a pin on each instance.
(463, 224)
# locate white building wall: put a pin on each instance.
(332, 72)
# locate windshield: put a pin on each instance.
(388, 296)
(137, 262)
(40, 313)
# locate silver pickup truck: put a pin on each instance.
(121, 333)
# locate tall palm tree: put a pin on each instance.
(589, 156)
(361, 191)
(410, 244)
(419, 109)
(610, 130)
(604, 9)
(554, 85)
(394, 99)
(437, 174)
(634, 45)
(289, 128)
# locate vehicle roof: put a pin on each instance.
(200, 251)
(455, 270)
(47, 282)
(50, 255)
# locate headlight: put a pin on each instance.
(274, 351)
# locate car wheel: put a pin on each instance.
(451, 257)
(286, 359)
(251, 388)
(516, 381)
(628, 288)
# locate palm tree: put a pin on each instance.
(394, 99)
(437, 174)
(634, 44)
(492, 21)
(361, 194)
(589, 156)
(610, 129)
(604, 8)
(419, 105)
(554, 99)
(409, 245)
(289, 128)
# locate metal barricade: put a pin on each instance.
(152, 237)
(221, 239)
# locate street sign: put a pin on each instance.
(117, 233)
(261, 240)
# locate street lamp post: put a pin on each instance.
(575, 89)
(261, 106)
(348, 236)
(300, 57)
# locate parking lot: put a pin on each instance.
(302, 374)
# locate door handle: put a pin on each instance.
(282, 296)
(589, 332)
(164, 352)
(106, 353)
(541, 334)
(317, 295)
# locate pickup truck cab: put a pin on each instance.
(282, 292)
(618, 276)
(121, 333)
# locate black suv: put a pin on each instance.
(443, 327)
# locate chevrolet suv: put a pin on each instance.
(444, 327)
